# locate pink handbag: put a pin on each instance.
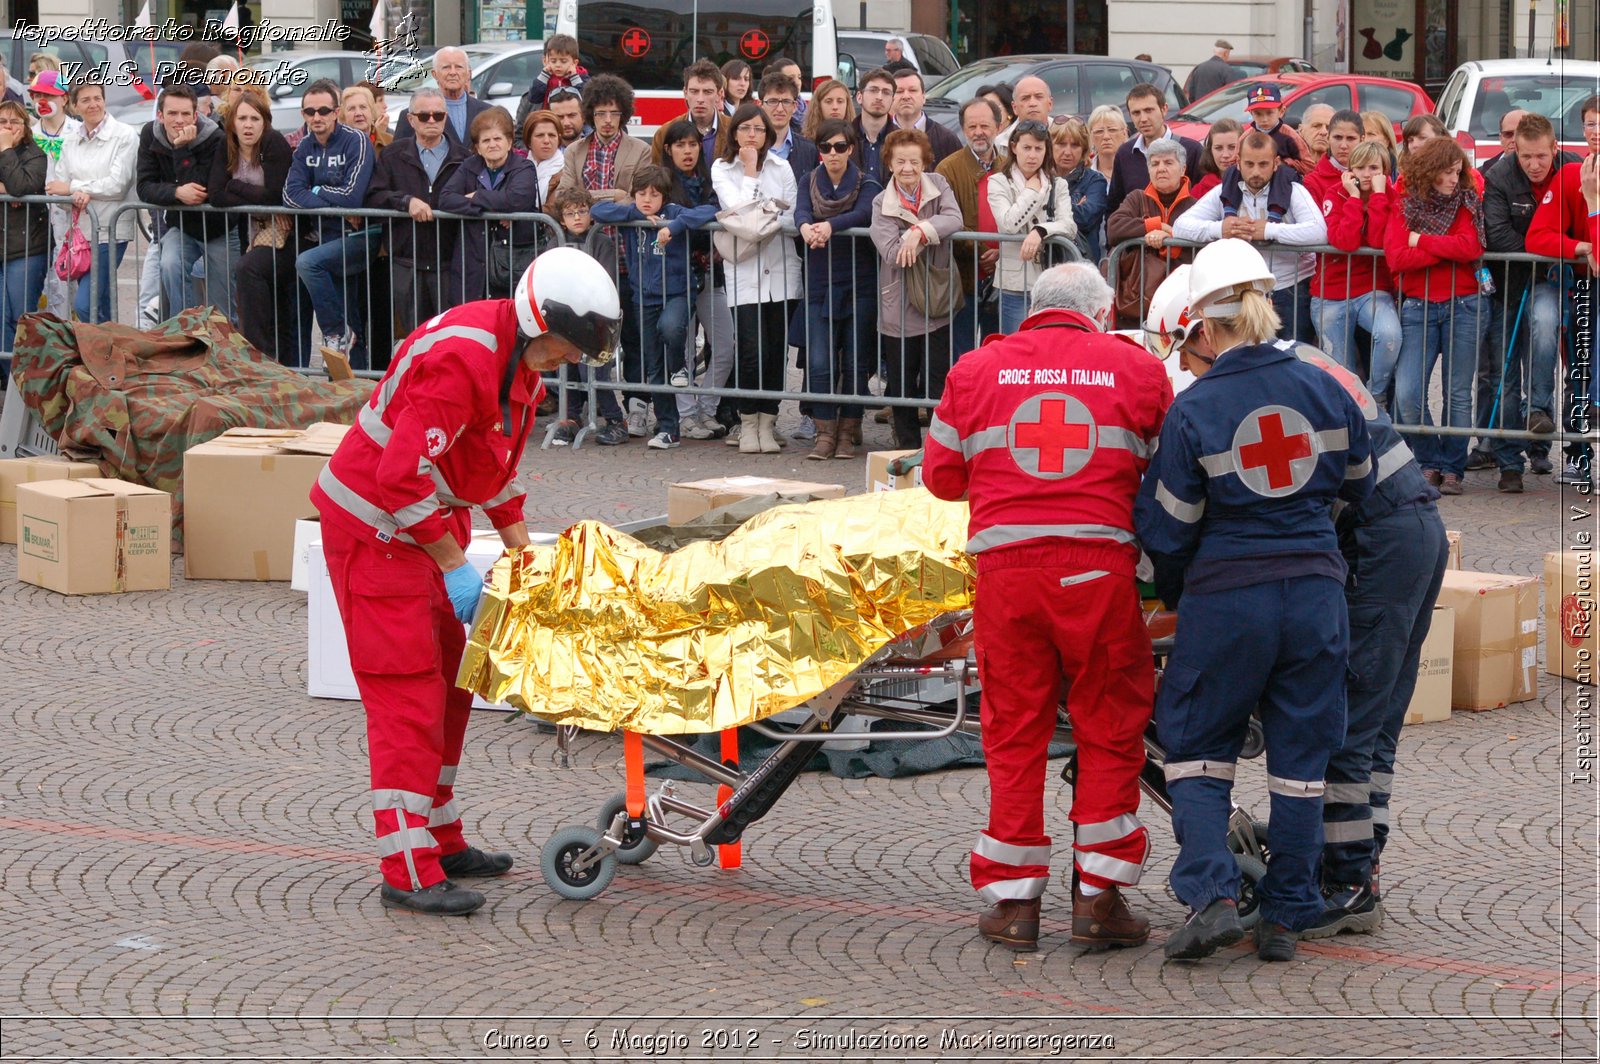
(72, 261)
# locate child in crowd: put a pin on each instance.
(561, 71)
(663, 281)
(578, 230)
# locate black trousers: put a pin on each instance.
(917, 366)
(761, 342)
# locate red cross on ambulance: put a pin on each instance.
(1275, 451)
(1051, 436)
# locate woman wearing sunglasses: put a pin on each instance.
(1028, 198)
(839, 330)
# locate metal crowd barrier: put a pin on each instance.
(270, 296)
(1515, 347)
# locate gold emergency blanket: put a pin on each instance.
(600, 631)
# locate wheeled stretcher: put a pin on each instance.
(927, 679)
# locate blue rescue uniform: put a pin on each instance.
(1395, 546)
(1236, 513)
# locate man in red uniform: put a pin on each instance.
(1046, 432)
(444, 432)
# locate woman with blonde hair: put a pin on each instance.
(1071, 149)
(1107, 130)
(1234, 517)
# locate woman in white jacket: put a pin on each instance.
(1026, 196)
(764, 286)
(97, 169)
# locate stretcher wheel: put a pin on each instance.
(629, 853)
(559, 854)
(1251, 872)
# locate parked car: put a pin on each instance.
(932, 57)
(122, 96)
(1251, 66)
(289, 82)
(1480, 92)
(501, 72)
(1078, 83)
(1397, 99)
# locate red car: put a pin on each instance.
(1397, 99)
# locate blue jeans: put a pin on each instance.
(666, 330)
(1451, 327)
(179, 252)
(324, 270)
(1013, 308)
(1523, 377)
(21, 284)
(107, 279)
(841, 352)
(1294, 307)
(1337, 320)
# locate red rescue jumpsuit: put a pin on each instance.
(444, 431)
(1046, 433)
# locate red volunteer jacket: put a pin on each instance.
(1441, 266)
(1047, 432)
(444, 431)
(1561, 222)
(1352, 225)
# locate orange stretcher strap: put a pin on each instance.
(729, 855)
(633, 772)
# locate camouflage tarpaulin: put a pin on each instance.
(136, 401)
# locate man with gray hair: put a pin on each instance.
(1046, 433)
(1212, 74)
(410, 174)
(454, 77)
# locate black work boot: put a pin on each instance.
(1013, 924)
(444, 898)
(473, 863)
(1349, 909)
(1274, 942)
(1205, 932)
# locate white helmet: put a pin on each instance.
(1223, 270)
(1168, 323)
(566, 293)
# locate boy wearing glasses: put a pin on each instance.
(578, 230)
(874, 98)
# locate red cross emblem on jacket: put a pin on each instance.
(1052, 435)
(1275, 451)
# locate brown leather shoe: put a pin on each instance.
(1013, 924)
(1104, 922)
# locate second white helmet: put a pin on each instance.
(566, 293)
(1223, 271)
(1168, 322)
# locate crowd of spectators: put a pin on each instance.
(1405, 286)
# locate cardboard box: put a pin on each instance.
(1569, 605)
(878, 478)
(93, 536)
(1454, 539)
(328, 672)
(1497, 638)
(1430, 701)
(15, 471)
(243, 492)
(688, 501)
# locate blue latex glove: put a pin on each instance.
(465, 588)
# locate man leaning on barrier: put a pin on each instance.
(176, 153)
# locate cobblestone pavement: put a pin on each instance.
(187, 871)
